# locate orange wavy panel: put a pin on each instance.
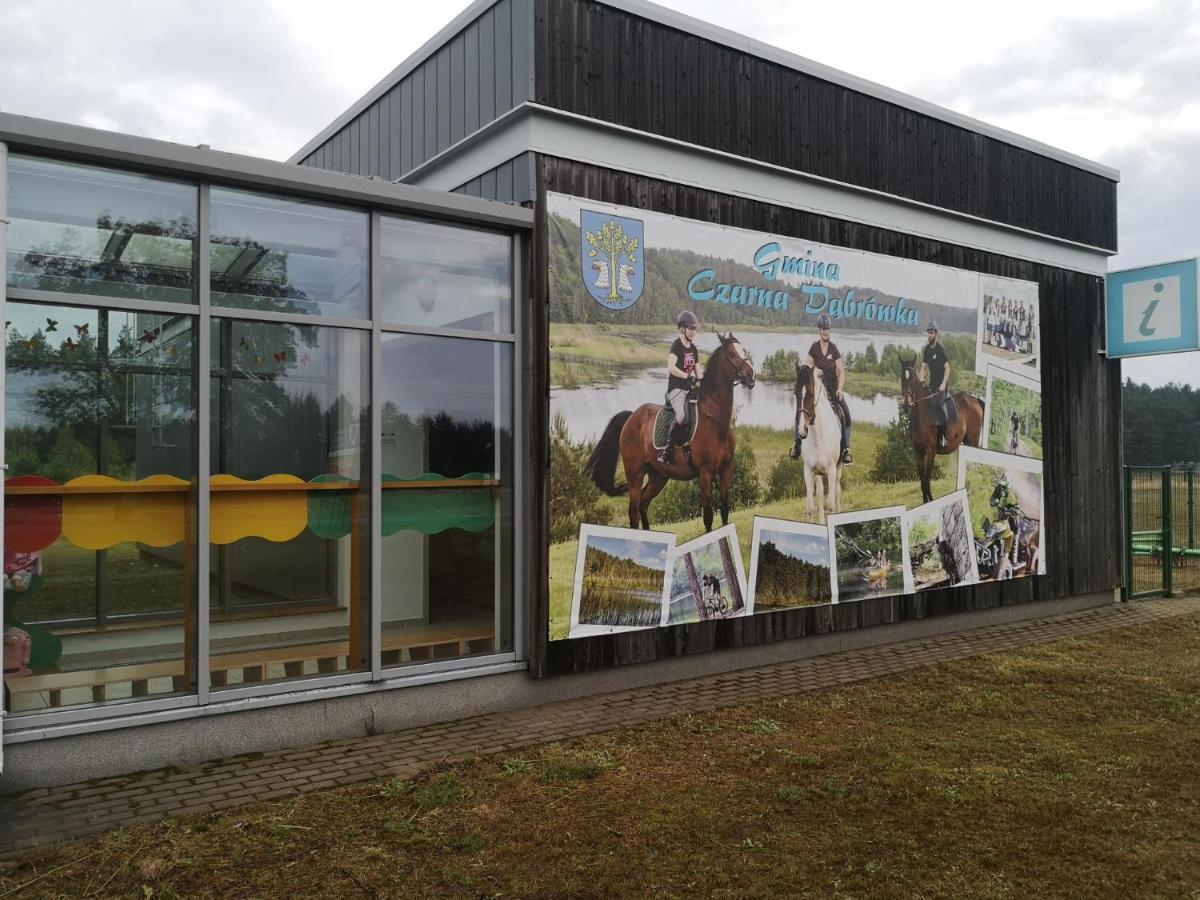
(240, 511)
(113, 516)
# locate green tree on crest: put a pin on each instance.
(612, 240)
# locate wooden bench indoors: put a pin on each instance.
(421, 643)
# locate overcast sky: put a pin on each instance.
(1114, 82)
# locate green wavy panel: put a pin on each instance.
(429, 510)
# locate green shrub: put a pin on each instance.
(573, 498)
(780, 366)
(786, 479)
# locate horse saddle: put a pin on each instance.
(947, 409)
(837, 409)
(665, 421)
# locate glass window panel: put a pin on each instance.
(290, 586)
(447, 551)
(444, 276)
(288, 255)
(97, 570)
(88, 230)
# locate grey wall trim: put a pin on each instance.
(394, 77)
(740, 42)
(217, 732)
(29, 135)
(569, 136)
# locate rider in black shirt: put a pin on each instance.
(683, 370)
(938, 363)
(824, 355)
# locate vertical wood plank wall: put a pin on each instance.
(607, 64)
(478, 75)
(1081, 394)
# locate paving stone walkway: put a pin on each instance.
(39, 817)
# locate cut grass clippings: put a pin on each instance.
(1063, 770)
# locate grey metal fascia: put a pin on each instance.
(31, 135)
(706, 30)
(394, 77)
(552, 132)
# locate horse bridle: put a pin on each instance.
(738, 378)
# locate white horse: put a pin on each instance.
(820, 434)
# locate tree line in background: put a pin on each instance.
(1161, 425)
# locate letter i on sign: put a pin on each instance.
(1152, 309)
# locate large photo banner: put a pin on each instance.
(743, 423)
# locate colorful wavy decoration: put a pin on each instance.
(242, 509)
(120, 511)
(96, 512)
(331, 512)
(434, 509)
(32, 519)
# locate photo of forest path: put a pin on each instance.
(870, 558)
(618, 588)
(1013, 404)
(793, 570)
(704, 584)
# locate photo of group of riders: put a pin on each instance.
(1010, 324)
(870, 430)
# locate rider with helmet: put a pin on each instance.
(683, 371)
(1008, 512)
(937, 364)
(824, 355)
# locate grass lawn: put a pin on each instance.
(1065, 770)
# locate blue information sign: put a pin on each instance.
(1152, 310)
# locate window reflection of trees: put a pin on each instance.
(166, 260)
(101, 392)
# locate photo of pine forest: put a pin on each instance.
(793, 570)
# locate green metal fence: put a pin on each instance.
(1162, 537)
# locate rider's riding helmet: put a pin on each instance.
(931, 327)
(687, 319)
(823, 322)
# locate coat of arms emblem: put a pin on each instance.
(612, 261)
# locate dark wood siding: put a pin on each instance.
(477, 76)
(610, 65)
(1081, 393)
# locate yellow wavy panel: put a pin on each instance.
(240, 511)
(124, 511)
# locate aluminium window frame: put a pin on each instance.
(207, 169)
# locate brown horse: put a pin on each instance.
(631, 436)
(922, 423)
